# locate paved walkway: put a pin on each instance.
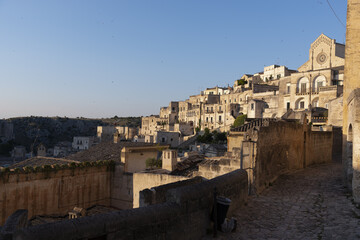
(308, 204)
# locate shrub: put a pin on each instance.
(240, 120)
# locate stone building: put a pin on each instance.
(318, 81)
(82, 143)
(124, 133)
(105, 133)
(351, 101)
(41, 150)
(18, 152)
(277, 92)
(62, 149)
(151, 124)
(134, 157)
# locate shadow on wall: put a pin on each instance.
(185, 215)
(272, 150)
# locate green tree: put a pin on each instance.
(150, 163)
(240, 120)
(197, 129)
(219, 137)
(241, 82)
(153, 163)
(207, 137)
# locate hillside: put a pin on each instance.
(51, 130)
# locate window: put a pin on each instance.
(212, 109)
(288, 88)
(219, 108)
(219, 118)
(287, 105)
(303, 88)
(163, 139)
(302, 104)
(252, 106)
(211, 119)
(319, 85)
(207, 119)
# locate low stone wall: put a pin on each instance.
(157, 195)
(272, 150)
(121, 188)
(319, 147)
(213, 168)
(142, 181)
(54, 191)
(185, 215)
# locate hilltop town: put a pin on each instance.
(163, 179)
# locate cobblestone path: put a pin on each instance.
(308, 204)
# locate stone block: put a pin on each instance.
(225, 162)
(215, 168)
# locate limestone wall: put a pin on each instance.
(157, 195)
(281, 147)
(335, 115)
(185, 215)
(54, 192)
(121, 188)
(214, 168)
(351, 100)
(142, 181)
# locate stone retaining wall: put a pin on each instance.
(157, 195)
(185, 215)
(55, 191)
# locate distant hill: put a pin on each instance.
(51, 130)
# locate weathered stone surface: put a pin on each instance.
(54, 192)
(185, 215)
(309, 204)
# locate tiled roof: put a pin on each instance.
(105, 151)
(188, 165)
(41, 161)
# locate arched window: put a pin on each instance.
(302, 85)
(315, 102)
(319, 81)
(300, 103)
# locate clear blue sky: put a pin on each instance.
(128, 58)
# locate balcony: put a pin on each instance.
(319, 119)
(307, 92)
